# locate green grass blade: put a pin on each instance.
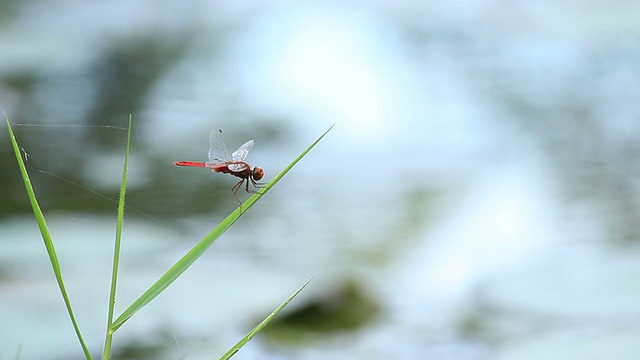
(116, 249)
(46, 236)
(260, 326)
(187, 260)
(247, 204)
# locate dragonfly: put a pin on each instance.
(221, 162)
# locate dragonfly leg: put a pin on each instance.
(257, 185)
(246, 187)
(235, 188)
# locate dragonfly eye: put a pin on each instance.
(257, 173)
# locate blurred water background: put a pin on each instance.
(478, 197)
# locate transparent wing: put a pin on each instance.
(237, 167)
(242, 152)
(218, 153)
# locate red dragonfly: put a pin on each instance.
(220, 161)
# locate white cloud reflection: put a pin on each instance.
(328, 65)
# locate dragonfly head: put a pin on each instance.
(257, 173)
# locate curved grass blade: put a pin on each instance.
(187, 260)
(46, 236)
(262, 324)
(247, 204)
(106, 353)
